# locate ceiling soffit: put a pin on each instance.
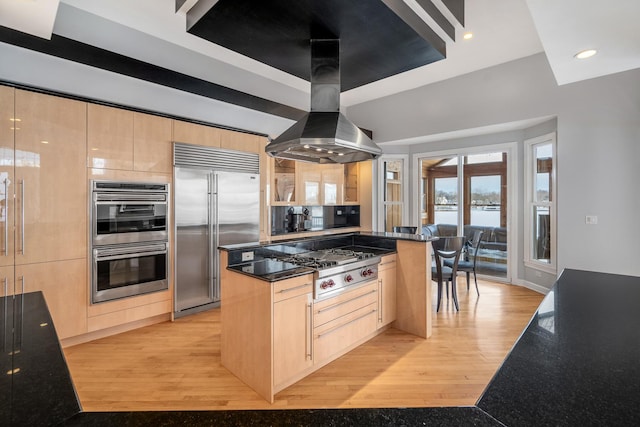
(378, 38)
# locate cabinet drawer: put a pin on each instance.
(333, 308)
(290, 288)
(334, 337)
(387, 261)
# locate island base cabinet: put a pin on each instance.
(292, 339)
(387, 290)
(340, 335)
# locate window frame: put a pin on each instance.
(530, 203)
(404, 180)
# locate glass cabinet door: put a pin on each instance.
(284, 181)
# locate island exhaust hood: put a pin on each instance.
(324, 135)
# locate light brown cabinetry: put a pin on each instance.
(343, 322)
(351, 190)
(152, 149)
(109, 137)
(310, 184)
(292, 331)
(128, 141)
(387, 290)
(284, 182)
(191, 133)
(46, 243)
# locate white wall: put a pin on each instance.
(598, 134)
(38, 70)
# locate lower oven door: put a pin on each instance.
(125, 270)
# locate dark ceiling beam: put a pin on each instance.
(198, 10)
(75, 51)
(404, 12)
(456, 7)
(438, 17)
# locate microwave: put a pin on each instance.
(124, 212)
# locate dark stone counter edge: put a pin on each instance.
(448, 416)
(395, 236)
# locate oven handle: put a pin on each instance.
(130, 203)
(138, 251)
(129, 198)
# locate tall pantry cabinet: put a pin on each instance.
(43, 210)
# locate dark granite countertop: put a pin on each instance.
(35, 384)
(576, 363)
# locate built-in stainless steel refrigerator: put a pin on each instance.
(212, 208)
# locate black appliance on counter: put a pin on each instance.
(295, 219)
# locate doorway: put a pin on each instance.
(465, 192)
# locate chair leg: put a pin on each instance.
(454, 292)
(447, 282)
(475, 279)
(467, 281)
(439, 295)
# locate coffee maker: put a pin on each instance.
(298, 219)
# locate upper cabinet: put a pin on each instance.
(351, 174)
(7, 179)
(50, 178)
(152, 149)
(284, 181)
(129, 141)
(191, 133)
(311, 184)
(110, 137)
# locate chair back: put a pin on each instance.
(405, 229)
(447, 248)
(475, 241)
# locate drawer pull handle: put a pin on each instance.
(309, 335)
(282, 291)
(330, 331)
(331, 307)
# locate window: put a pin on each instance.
(540, 204)
(393, 191)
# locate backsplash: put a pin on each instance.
(296, 219)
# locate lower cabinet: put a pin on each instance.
(64, 285)
(292, 340)
(387, 290)
(344, 321)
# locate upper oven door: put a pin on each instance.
(128, 218)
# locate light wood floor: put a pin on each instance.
(176, 366)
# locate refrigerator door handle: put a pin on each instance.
(213, 239)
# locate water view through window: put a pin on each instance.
(477, 198)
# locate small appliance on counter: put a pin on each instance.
(298, 219)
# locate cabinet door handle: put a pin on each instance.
(6, 217)
(380, 300)
(309, 337)
(331, 307)
(282, 291)
(22, 214)
(330, 331)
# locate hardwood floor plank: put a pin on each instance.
(176, 366)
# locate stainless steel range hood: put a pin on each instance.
(324, 135)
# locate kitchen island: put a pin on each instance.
(287, 309)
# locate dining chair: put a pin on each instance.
(467, 265)
(405, 229)
(447, 248)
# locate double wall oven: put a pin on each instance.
(129, 239)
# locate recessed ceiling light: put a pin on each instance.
(318, 149)
(306, 146)
(468, 35)
(585, 54)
